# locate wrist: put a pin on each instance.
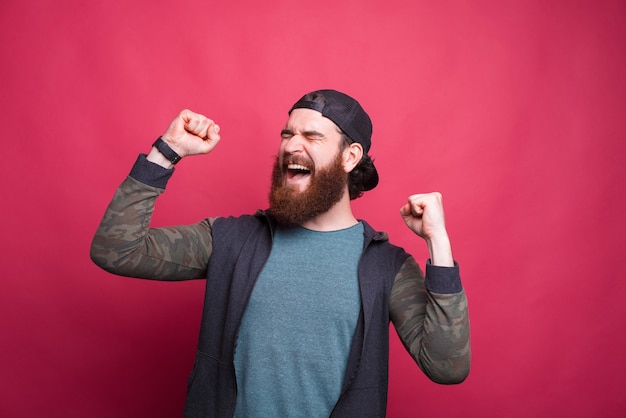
(155, 156)
(440, 250)
(163, 148)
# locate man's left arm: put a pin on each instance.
(431, 318)
(430, 314)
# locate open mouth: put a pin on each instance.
(297, 172)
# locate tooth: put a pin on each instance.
(297, 167)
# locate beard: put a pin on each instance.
(293, 207)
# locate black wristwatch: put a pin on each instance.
(165, 149)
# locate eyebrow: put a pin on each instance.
(308, 134)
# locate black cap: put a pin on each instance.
(347, 114)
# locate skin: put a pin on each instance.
(310, 135)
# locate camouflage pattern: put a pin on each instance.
(434, 328)
(124, 243)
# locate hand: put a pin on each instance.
(191, 134)
(423, 214)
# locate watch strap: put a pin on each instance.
(165, 149)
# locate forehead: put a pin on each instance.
(309, 120)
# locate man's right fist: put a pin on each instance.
(191, 134)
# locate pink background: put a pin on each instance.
(514, 110)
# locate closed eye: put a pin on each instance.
(286, 133)
(309, 135)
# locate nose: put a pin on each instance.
(293, 144)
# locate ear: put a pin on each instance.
(352, 156)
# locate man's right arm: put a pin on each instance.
(124, 243)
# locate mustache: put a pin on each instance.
(302, 160)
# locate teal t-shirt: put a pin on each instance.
(295, 337)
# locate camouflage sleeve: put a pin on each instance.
(124, 243)
(434, 327)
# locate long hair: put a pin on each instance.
(361, 174)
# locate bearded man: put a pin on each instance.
(298, 297)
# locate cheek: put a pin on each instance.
(325, 157)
